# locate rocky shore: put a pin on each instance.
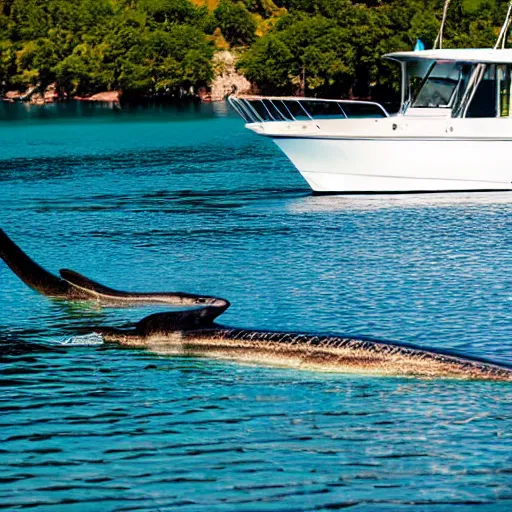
(226, 81)
(109, 97)
(35, 96)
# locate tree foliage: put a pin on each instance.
(235, 22)
(334, 47)
(315, 47)
(141, 47)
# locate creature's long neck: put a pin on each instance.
(78, 287)
(29, 271)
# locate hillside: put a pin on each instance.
(164, 48)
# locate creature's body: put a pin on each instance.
(192, 332)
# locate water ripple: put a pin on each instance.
(204, 206)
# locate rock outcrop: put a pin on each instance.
(34, 95)
(21, 95)
(107, 96)
(12, 96)
(226, 78)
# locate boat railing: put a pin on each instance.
(264, 109)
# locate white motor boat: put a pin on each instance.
(453, 131)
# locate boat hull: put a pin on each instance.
(391, 165)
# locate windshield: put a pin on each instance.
(439, 86)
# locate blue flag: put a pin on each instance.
(419, 45)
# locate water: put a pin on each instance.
(188, 200)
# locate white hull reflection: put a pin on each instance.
(339, 203)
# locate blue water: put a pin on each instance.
(163, 199)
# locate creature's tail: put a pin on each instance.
(29, 271)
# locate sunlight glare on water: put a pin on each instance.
(187, 200)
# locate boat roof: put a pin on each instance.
(484, 55)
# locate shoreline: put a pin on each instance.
(113, 98)
(226, 79)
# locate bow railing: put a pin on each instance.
(264, 109)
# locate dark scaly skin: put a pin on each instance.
(192, 332)
(306, 351)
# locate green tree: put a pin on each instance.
(171, 12)
(236, 23)
(268, 64)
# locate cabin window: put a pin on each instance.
(484, 102)
(503, 90)
(466, 71)
(439, 86)
(487, 93)
(415, 72)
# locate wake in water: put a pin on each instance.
(83, 340)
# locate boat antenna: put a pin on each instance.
(439, 38)
(502, 38)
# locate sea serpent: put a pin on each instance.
(192, 331)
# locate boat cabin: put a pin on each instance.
(435, 83)
(455, 83)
